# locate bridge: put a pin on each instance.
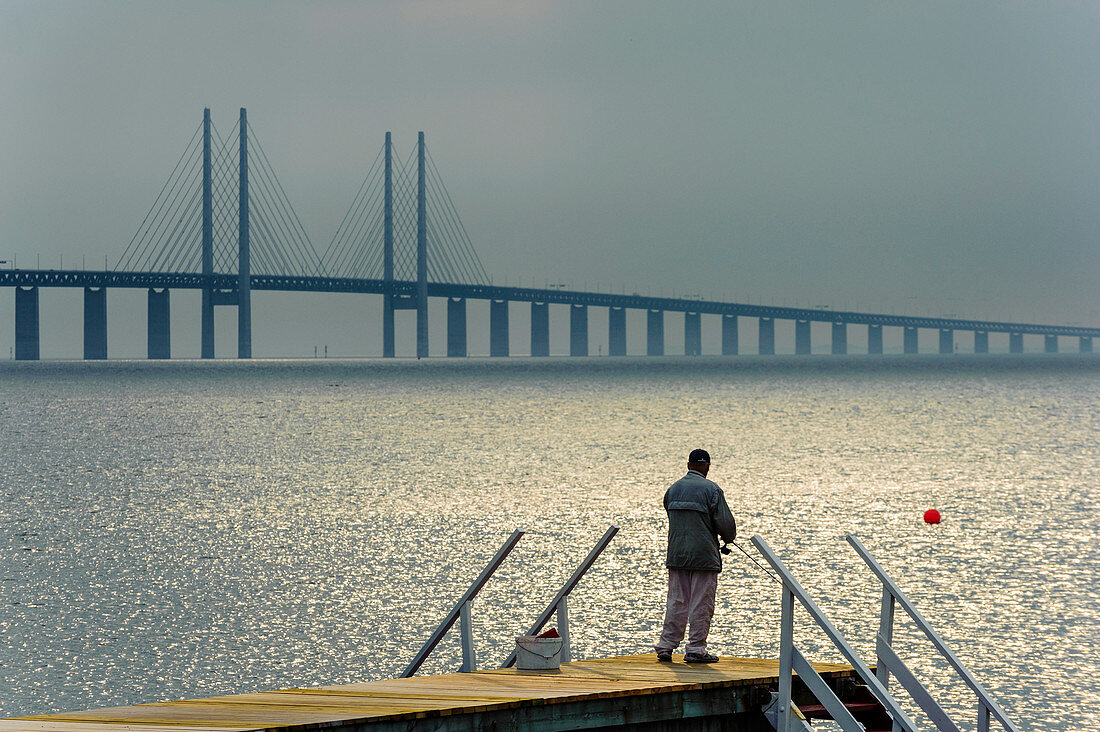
(223, 224)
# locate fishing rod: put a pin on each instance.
(726, 550)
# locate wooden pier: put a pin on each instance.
(623, 693)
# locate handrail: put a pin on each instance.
(792, 585)
(462, 608)
(558, 603)
(986, 701)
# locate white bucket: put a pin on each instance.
(533, 653)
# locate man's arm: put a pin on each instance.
(724, 522)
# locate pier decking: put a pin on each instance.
(625, 692)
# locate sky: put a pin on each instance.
(925, 158)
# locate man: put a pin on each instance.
(697, 515)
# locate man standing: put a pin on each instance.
(697, 515)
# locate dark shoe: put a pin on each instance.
(664, 656)
(700, 658)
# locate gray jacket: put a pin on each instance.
(697, 513)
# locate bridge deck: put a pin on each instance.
(591, 693)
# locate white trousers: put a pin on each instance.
(690, 602)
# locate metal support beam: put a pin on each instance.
(766, 340)
(910, 340)
(1050, 344)
(729, 335)
(616, 331)
(421, 252)
(159, 328)
(947, 340)
(693, 334)
(540, 329)
(26, 324)
(1015, 342)
(802, 337)
(1085, 344)
(207, 350)
(840, 339)
(578, 330)
(456, 327)
(655, 333)
(95, 323)
(981, 341)
(498, 328)
(874, 339)
(244, 268)
(387, 265)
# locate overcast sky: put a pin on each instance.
(919, 157)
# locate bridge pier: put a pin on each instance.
(207, 347)
(766, 339)
(498, 328)
(456, 328)
(1084, 344)
(655, 333)
(616, 331)
(244, 268)
(95, 323)
(729, 335)
(874, 339)
(1015, 342)
(840, 339)
(1050, 344)
(910, 340)
(421, 252)
(159, 331)
(540, 329)
(578, 330)
(802, 337)
(26, 324)
(981, 341)
(388, 349)
(693, 334)
(947, 340)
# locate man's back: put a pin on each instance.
(697, 512)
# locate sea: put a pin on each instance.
(187, 529)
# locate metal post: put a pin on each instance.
(26, 324)
(947, 340)
(244, 276)
(766, 337)
(421, 253)
(578, 330)
(456, 327)
(95, 323)
(693, 334)
(466, 630)
(983, 717)
(498, 328)
(207, 241)
(540, 329)
(840, 339)
(802, 337)
(886, 631)
(616, 331)
(159, 329)
(655, 333)
(387, 260)
(786, 660)
(874, 339)
(910, 340)
(563, 629)
(729, 335)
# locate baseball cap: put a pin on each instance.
(699, 456)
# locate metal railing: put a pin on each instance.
(559, 604)
(890, 663)
(792, 661)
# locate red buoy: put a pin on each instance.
(931, 516)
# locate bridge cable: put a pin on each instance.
(469, 248)
(334, 253)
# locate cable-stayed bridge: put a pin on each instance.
(223, 224)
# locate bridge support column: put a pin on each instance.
(421, 253)
(387, 265)
(655, 333)
(540, 329)
(578, 330)
(766, 345)
(802, 337)
(456, 327)
(498, 328)
(159, 328)
(26, 324)
(910, 341)
(244, 268)
(840, 339)
(874, 339)
(693, 334)
(207, 350)
(981, 341)
(1015, 342)
(1084, 344)
(947, 340)
(729, 335)
(616, 331)
(95, 323)
(1050, 344)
